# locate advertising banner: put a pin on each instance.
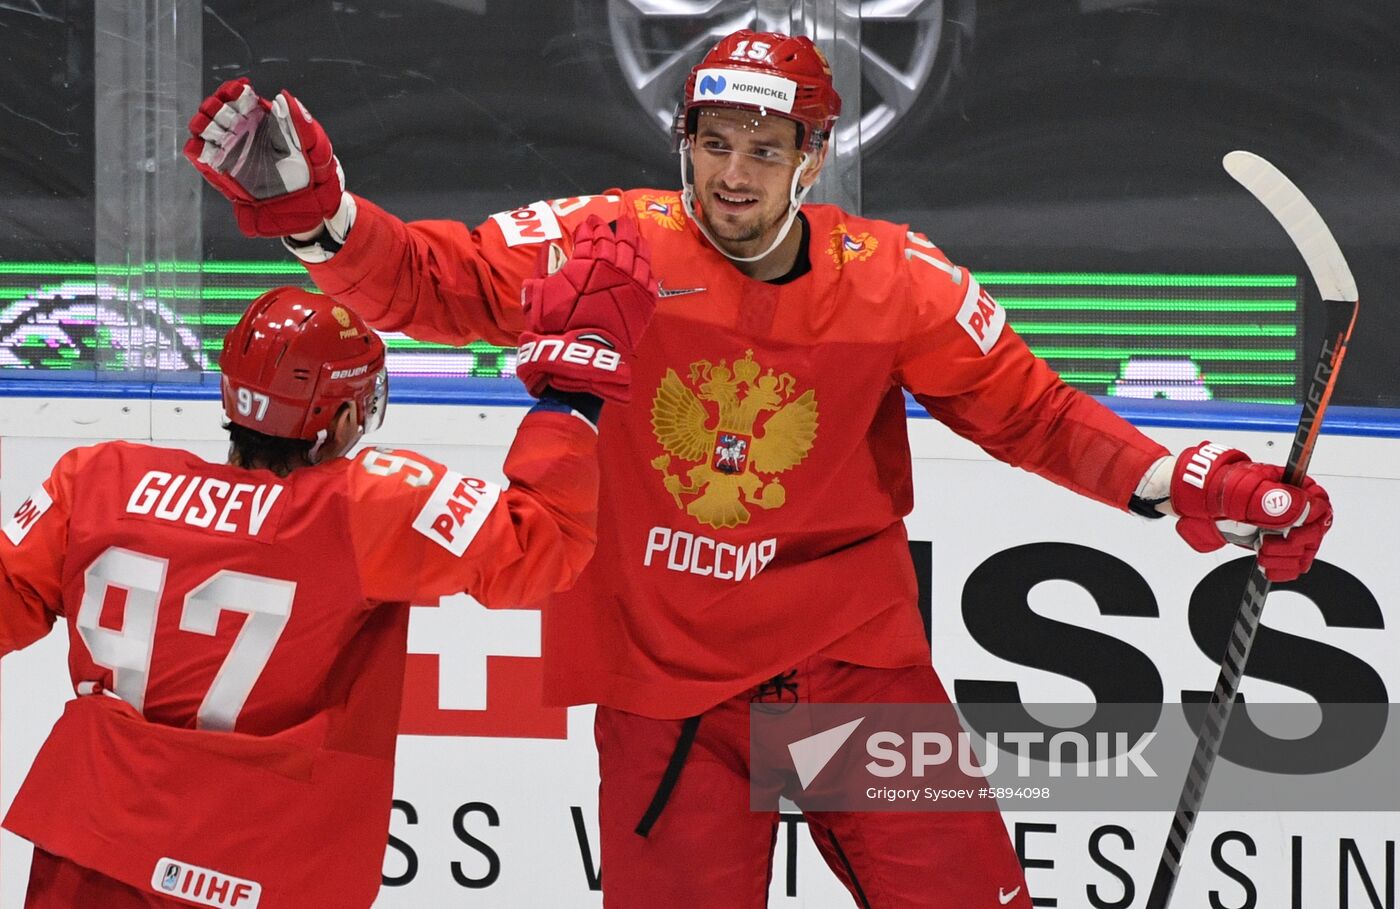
(1077, 628)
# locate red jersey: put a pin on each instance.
(753, 491)
(250, 630)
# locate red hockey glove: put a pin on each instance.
(269, 158)
(586, 318)
(1220, 494)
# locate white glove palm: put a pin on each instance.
(271, 160)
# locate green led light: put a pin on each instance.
(1167, 317)
(233, 293)
(240, 267)
(283, 267)
(1248, 378)
(1124, 353)
(1115, 279)
(292, 267)
(409, 344)
(88, 269)
(1089, 376)
(228, 320)
(47, 268)
(1107, 304)
(239, 294)
(1109, 328)
(230, 267)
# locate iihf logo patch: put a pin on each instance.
(205, 886)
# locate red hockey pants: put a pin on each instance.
(703, 846)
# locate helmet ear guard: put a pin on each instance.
(293, 359)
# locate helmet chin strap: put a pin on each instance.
(318, 450)
(314, 455)
(796, 194)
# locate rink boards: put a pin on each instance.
(495, 799)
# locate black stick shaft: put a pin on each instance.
(1341, 316)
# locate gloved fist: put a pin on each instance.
(584, 320)
(271, 159)
(1219, 494)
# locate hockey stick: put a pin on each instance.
(1333, 278)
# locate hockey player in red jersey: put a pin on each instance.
(762, 465)
(237, 632)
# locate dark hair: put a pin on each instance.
(250, 448)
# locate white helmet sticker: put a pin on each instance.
(740, 86)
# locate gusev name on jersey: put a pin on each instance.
(753, 491)
(238, 642)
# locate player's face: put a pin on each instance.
(743, 164)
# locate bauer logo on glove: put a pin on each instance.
(586, 315)
(590, 349)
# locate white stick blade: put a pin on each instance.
(1297, 216)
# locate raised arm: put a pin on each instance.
(517, 545)
(434, 280)
(422, 531)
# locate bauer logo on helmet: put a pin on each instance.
(350, 373)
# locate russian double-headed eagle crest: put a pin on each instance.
(738, 428)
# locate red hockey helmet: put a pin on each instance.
(768, 71)
(294, 358)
